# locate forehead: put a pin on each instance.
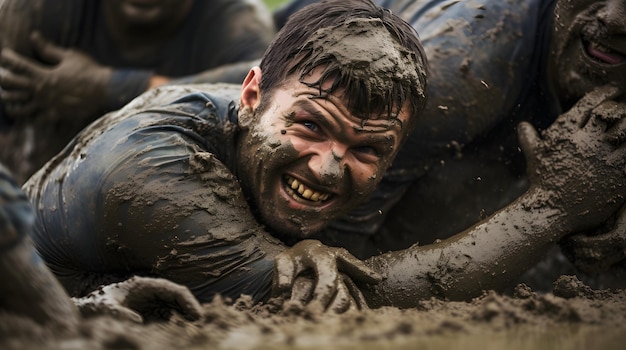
(312, 97)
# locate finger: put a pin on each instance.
(17, 63)
(582, 243)
(355, 293)
(356, 268)
(616, 135)
(302, 290)
(95, 305)
(529, 140)
(123, 313)
(348, 298)
(328, 278)
(14, 96)
(176, 294)
(610, 111)
(580, 113)
(342, 301)
(284, 274)
(139, 293)
(49, 52)
(10, 80)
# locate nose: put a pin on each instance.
(613, 14)
(329, 165)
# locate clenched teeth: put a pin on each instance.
(599, 47)
(306, 192)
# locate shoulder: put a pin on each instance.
(219, 94)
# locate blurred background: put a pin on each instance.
(273, 4)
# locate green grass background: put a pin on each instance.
(272, 4)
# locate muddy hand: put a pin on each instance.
(321, 277)
(140, 299)
(15, 90)
(594, 253)
(66, 83)
(579, 163)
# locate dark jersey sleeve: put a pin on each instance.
(147, 194)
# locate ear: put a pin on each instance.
(250, 92)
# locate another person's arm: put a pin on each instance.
(577, 171)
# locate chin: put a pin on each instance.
(292, 232)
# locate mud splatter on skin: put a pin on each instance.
(360, 53)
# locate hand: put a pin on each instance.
(594, 253)
(329, 284)
(579, 163)
(140, 299)
(65, 83)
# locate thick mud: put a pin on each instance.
(572, 316)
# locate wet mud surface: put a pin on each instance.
(572, 316)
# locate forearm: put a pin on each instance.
(490, 255)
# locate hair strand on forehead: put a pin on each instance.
(370, 56)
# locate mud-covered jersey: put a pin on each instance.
(150, 190)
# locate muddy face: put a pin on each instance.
(588, 47)
(307, 160)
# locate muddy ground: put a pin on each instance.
(572, 316)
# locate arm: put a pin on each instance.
(577, 181)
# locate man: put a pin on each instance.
(177, 184)
(65, 63)
(160, 185)
(154, 191)
(493, 64)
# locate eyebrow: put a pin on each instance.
(308, 107)
(372, 139)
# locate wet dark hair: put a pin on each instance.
(291, 52)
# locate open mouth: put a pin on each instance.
(603, 54)
(300, 192)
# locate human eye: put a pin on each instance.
(311, 125)
(367, 150)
